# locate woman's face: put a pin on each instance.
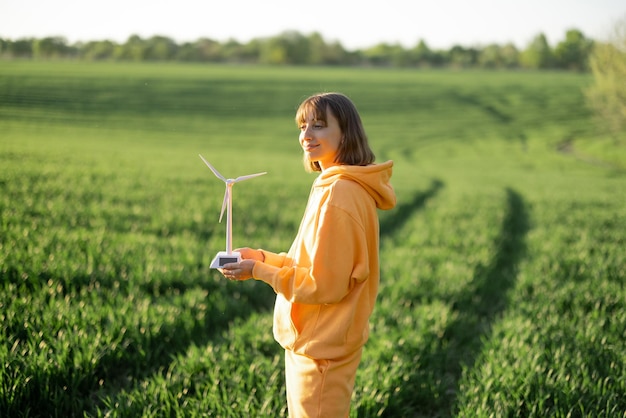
(320, 140)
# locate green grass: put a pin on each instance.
(503, 266)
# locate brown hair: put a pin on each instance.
(354, 148)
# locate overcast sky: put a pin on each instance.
(355, 23)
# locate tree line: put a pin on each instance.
(295, 48)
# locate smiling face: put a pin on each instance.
(320, 138)
(331, 132)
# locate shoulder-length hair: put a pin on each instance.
(354, 148)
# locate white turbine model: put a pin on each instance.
(228, 256)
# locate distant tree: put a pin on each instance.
(400, 57)
(187, 52)
(496, 56)
(251, 51)
(160, 48)
(510, 56)
(377, 55)
(439, 58)
(607, 95)
(273, 51)
(231, 51)
(208, 50)
(21, 48)
(573, 52)
(323, 53)
(538, 54)
(335, 54)
(135, 49)
(51, 47)
(461, 57)
(297, 47)
(317, 49)
(388, 55)
(289, 47)
(421, 55)
(490, 57)
(98, 50)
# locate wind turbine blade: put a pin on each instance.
(249, 176)
(224, 202)
(217, 173)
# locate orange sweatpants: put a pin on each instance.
(320, 388)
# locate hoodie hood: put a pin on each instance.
(374, 178)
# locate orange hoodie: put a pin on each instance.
(327, 283)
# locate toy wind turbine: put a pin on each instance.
(228, 256)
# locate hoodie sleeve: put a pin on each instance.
(339, 259)
(273, 259)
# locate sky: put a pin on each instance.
(356, 24)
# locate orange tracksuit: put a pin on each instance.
(326, 287)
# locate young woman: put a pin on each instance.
(326, 284)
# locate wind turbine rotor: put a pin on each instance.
(225, 201)
(217, 173)
(249, 176)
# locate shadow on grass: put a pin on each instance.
(485, 298)
(430, 389)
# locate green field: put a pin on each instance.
(503, 265)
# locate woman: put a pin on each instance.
(326, 284)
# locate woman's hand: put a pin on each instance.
(238, 271)
(243, 269)
(250, 254)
